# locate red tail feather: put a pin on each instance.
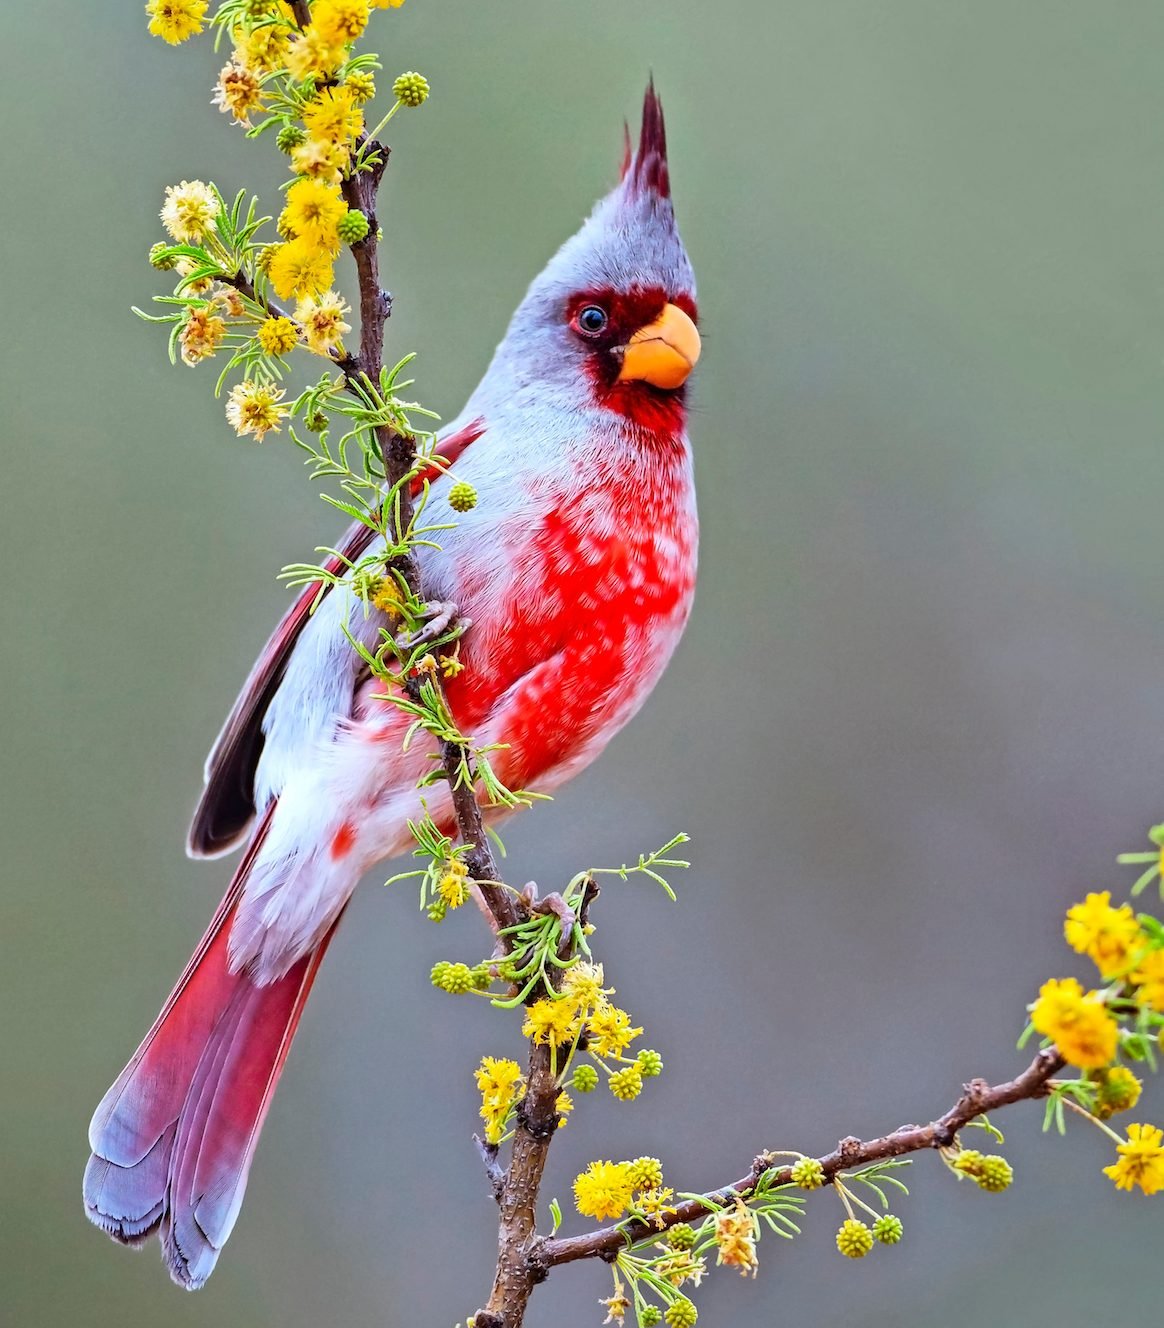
(174, 1137)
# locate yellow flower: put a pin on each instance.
(314, 209)
(1149, 980)
(334, 116)
(735, 1235)
(453, 888)
(253, 407)
(1107, 935)
(309, 56)
(277, 336)
(386, 4)
(1084, 1031)
(263, 50)
(189, 210)
(202, 333)
(550, 1023)
(501, 1084)
(322, 317)
(1141, 1161)
(603, 1190)
(653, 1204)
(387, 597)
(184, 268)
(319, 160)
(582, 984)
(610, 1030)
(339, 22)
(563, 1105)
(238, 92)
(299, 268)
(451, 665)
(176, 20)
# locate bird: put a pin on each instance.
(576, 569)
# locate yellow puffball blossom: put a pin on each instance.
(253, 407)
(1116, 1089)
(387, 597)
(318, 160)
(563, 1105)
(1149, 980)
(1141, 1161)
(386, 4)
(854, 1239)
(1078, 1023)
(313, 211)
(176, 20)
(189, 211)
(202, 334)
(735, 1235)
(309, 56)
(262, 50)
(238, 93)
(333, 116)
(1109, 936)
(603, 1190)
(582, 984)
(453, 888)
(501, 1084)
(550, 1023)
(299, 268)
(610, 1030)
(626, 1084)
(339, 22)
(277, 336)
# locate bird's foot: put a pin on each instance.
(441, 621)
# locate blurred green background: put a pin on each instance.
(917, 712)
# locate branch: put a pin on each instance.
(977, 1097)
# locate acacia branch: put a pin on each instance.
(977, 1098)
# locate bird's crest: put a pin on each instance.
(646, 169)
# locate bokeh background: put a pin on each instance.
(917, 713)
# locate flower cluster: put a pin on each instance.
(308, 86)
(1122, 1017)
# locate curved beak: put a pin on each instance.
(664, 352)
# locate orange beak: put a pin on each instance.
(664, 352)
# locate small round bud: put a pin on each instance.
(681, 1236)
(437, 976)
(808, 1173)
(585, 1079)
(650, 1064)
(1117, 1089)
(362, 85)
(995, 1174)
(649, 1316)
(681, 1314)
(854, 1239)
(482, 977)
(352, 227)
(162, 259)
(627, 1083)
(436, 912)
(457, 979)
(887, 1229)
(968, 1163)
(316, 422)
(265, 258)
(645, 1173)
(462, 496)
(290, 137)
(411, 89)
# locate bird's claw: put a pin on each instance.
(440, 616)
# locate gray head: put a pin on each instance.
(611, 319)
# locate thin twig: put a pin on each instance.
(977, 1097)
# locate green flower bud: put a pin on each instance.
(645, 1173)
(437, 910)
(681, 1236)
(887, 1229)
(481, 977)
(162, 259)
(462, 496)
(808, 1173)
(437, 976)
(854, 1239)
(362, 84)
(585, 1079)
(315, 421)
(457, 979)
(995, 1175)
(411, 89)
(627, 1084)
(353, 227)
(289, 137)
(649, 1316)
(650, 1064)
(681, 1314)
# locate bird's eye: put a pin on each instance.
(591, 320)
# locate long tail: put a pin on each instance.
(174, 1137)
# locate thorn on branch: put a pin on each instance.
(493, 1169)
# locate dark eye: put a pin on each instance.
(591, 320)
